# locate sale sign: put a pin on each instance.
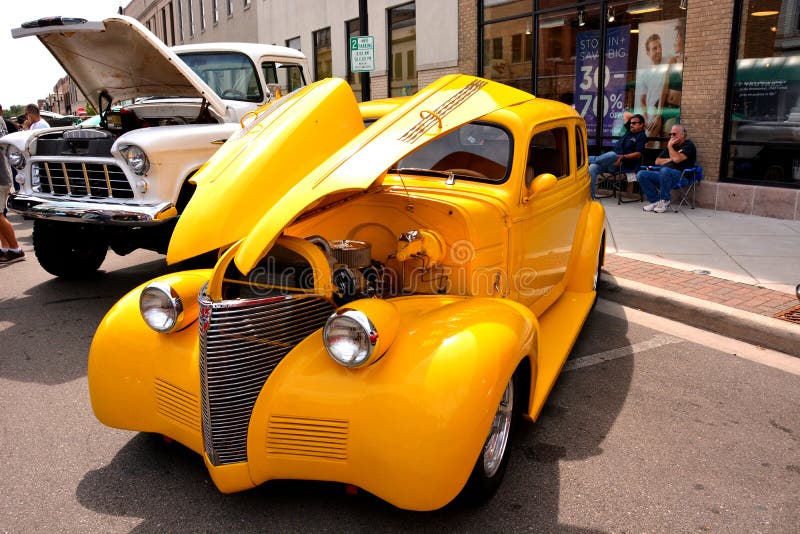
(587, 76)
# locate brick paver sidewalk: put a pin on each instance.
(734, 294)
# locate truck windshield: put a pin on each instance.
(230, 74)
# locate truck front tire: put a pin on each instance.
(68, 250)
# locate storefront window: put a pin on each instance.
(500, 9)
(640, 72)
(764, 144)
(507, 52)
(643, 69)
(507, 49)
(402, 50)
(568, 62)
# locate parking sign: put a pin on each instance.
(362, 53)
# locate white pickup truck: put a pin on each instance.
(164, 111)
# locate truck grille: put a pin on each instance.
(80, 179)
(241, 343)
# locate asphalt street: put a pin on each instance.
(652, 427)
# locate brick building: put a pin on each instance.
(728, 70)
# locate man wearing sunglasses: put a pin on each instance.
(657, 184)
(627, 153)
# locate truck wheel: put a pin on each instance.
(67, 250)
(491, 464)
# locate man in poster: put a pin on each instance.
(651, 85)
(656, 98)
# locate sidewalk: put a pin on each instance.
(726, 272)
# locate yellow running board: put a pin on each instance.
(558, 329)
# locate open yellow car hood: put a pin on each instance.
(313, 146)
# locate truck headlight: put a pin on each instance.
(136, 159)
(160, 306)
(16, 158)
(350, 337)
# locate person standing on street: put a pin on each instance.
(11, 250)
(10, 126)
(34, 120)
(657, 184)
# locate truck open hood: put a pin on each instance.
(119, 56)
(310, 151)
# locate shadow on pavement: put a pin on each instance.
(46, 332)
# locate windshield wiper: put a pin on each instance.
(423, 172)
(449, 175)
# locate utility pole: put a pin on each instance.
(363, 29)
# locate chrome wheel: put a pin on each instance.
(495, 447)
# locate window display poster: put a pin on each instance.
(659, 75)
(587, 63)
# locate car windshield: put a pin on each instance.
(477, 150)
(230, 74)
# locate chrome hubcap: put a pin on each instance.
(495, 447)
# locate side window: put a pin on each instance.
(287, 77)
(548, 152)
(580, 147)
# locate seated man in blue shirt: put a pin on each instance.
(657, 184)
(627, 153)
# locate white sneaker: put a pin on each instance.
(651, 207)
(662, 206)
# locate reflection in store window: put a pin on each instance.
(323, 62)
(403, 27)
(568, 41)
(765, 105)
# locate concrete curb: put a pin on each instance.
(739, 324)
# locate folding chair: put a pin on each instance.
(616, 180)
(620, 183)
(605, 182)
(688, 185)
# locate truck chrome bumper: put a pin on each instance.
(91, 212)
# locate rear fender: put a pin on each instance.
(412, 424)
(588, 241)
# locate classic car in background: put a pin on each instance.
(123, 183)
(389, 300)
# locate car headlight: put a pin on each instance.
(136, 159)
(350, 337)
(16, 158)
(160, 306)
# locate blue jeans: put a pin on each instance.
(657, 185)
(605, 162)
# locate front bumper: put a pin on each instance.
(91, 212)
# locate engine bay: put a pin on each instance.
(114, 122)
(354, 271)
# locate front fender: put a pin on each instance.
(409, 427)
(142, 380)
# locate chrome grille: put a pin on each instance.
(241, 343)
(81, 179)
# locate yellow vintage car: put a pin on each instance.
(388, 300)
